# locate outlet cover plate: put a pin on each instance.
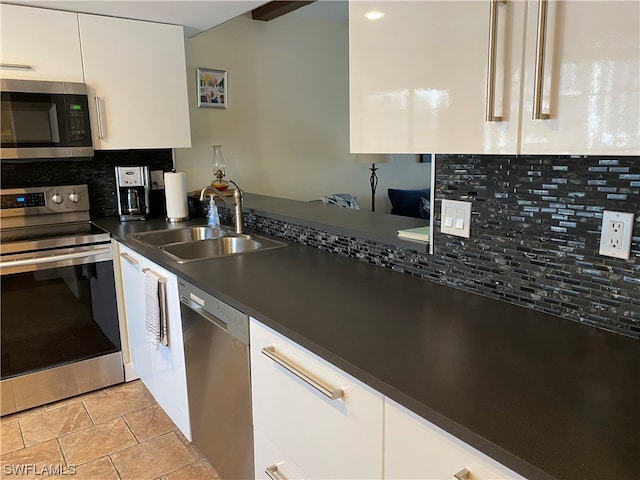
(455, 218)
(616, 234)
(157, 179)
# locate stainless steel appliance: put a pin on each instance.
(59, 321)
(44, 120)
(216, 349)
(132, 186)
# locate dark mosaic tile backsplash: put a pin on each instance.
(535, 228)
(536, 233)
(535, 236)
(98, 173)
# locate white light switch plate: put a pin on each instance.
(455, 218)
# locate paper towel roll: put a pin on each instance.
(175, 190)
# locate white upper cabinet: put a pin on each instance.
(136, 75)
(590, 78)
(460, 77)
(39, 44)
(418, 77)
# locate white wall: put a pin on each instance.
(286, 129)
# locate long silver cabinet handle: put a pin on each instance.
(54, 258)
(491, 60)
(273, 473)
(538, 78)
(99, 114)
(308, 377)
(129, 259)
(463, 474)
(20, 66)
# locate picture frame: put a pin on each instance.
(212, 88)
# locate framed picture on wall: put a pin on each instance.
(212, 88)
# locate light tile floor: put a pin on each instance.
(116, 433)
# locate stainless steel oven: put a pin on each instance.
(59, 322)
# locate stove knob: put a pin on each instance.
(57, 198)
(74, 197)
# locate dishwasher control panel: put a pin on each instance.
(230, 319)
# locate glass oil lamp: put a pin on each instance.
(219, 166)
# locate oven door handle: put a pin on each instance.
(55, 258)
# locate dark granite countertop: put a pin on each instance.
(547, 397)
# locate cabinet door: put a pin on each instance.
(131, 265)
(417, 449)
(590, 85)
(418, 77)
(40, 44)
(324, 438)
(169, 374)
(136, 75)
(270, 462)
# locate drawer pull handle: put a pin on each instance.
(129, 259)
(273, 473)
(463, 474)
(19, 66)
(315, 382)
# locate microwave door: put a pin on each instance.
(33, 124)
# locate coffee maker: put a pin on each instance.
(132, 187)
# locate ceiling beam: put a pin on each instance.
(275, 9)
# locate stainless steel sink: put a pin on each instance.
(191, 244)
(156, 238)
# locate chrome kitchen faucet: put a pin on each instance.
(237, 202)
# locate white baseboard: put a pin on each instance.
(129, 373)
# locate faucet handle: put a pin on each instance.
(237, 188)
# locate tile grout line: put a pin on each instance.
(131, 429)
(88, 414)
(115, 467)
(194, 460)
(24, 444)
(64, 457)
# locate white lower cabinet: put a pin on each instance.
(416, 449)
(162, 370)
(271, 462)
(307, 432)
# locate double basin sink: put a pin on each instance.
(190, 244)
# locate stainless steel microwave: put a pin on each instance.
(44, 120)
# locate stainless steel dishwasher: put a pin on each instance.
(216, 349)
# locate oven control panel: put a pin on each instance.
(28, 201)
(22, 200)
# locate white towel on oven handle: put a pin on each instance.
(155, 299)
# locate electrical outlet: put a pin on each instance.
(616, 234)
(157, 179)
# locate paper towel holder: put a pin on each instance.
(175, 185)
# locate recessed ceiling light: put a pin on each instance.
(374, 15)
